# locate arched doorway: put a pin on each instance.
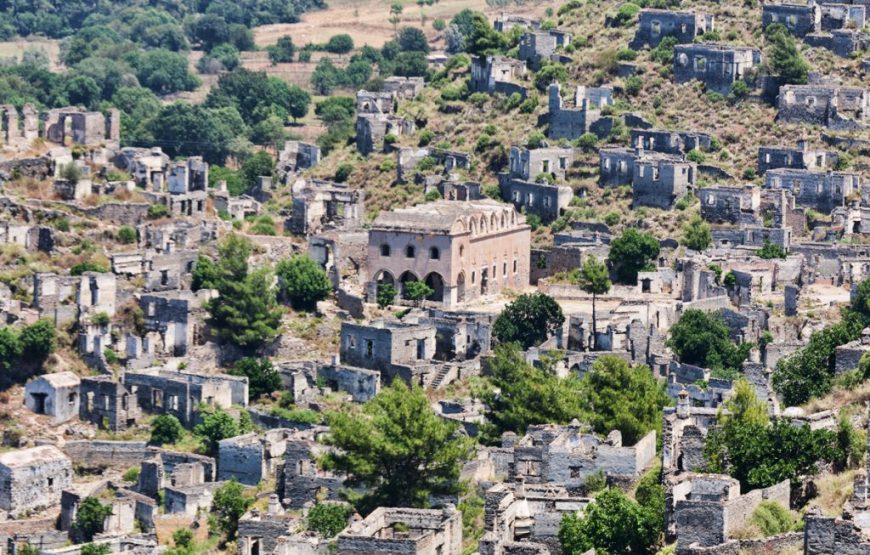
(436, 283)
(405, 278)
(385, 278)
(460, 287)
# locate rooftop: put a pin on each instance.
(443, 216)
(61, 379)
(33, 456)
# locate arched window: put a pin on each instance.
(461, 251)
(434, 253)
(385, 250)
(410, 251)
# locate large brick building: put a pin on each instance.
(462, 250)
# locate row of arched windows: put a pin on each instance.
(411, 252)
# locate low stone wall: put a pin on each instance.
(98, 453)
(774, 544)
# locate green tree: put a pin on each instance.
(617, 396)
(37, 341)
(697, 235)
(744, 406)
(89, 519)
(127, 235)
(772, 518)
(386, 294)
(260, 164)
(328, 519)
(413, 39)
(482, 38)
(10, 348)
(416, 291)
(594, 278)
(517, 394)
(282, 51)
(263, 379)
(703, 339)
(205, 274)
(339, 44)
(165, 428)
(183, 538)
(631, 253)
(613, 523)
(303, 282)
(529, 320)
(96, 549)
(785, 58)
(397, 449)
(229, 504)
(246, 312)
(769, 251)
(216, 425)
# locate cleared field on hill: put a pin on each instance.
(15, 48)
(367, 20)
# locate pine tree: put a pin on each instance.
(594, 279)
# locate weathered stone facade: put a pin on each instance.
(497, 74)
(55, 395)
(821, 191)
(108, 404)
(716, 65)
(32, 479)
(404, 532)
(461, 250)
(654, 25)
(799, 19)
(832, 106)
(570, 120)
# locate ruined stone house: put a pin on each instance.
(730, 205)
(251, 458)
(33, 479)
(670, 142)
(404, 531)
(73, 125)
(583, 113)
(108, 403)
(537, 47)
(404, 88)
(716, 65)
(800, 157)
(526, 184)
(498, 74)
(504, 22)
(180, 393)
(320, 205)
(462, 250)
(799, 19)
(820, 190)
(376, 119)
(833, 106)
(55, 395)
(654, 25)
(302, 480)
(296, 156)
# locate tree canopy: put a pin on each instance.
(632, 252)
(703, 339)
(529, 320)
(613, 523)
(397, 449)
(303, 282)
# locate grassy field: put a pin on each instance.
(367, 20)
(15, 48)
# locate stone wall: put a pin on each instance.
(104, 453)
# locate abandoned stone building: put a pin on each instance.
(498, 74)
(387, 346)
(33, 479)
(404, 88)
(504, 22)
(237, 208)
(705, 509)
(404, 532)
(657, 179)
(302, 480)
(376, 120)
(832, 106)
(108, 403)
(526, 184)
(716, 65)
(407, 160)
(30, 237)
(55, 395)
(654, 25)
(180, 393)
(669, 142)
(801, 157)
(172, 323)
(537, 47)
(582, 114)
(251, 458)
(78, 127)
(272, 532)
(323, 205)
(462, 250)
(296, 156)
(19, 133)
(568, 455)
(148, 166)
(65, 299)
(523, 519)
(799, 19)
(820, 190)
(730, 205)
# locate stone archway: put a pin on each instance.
(436, 283)
(405, 278)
